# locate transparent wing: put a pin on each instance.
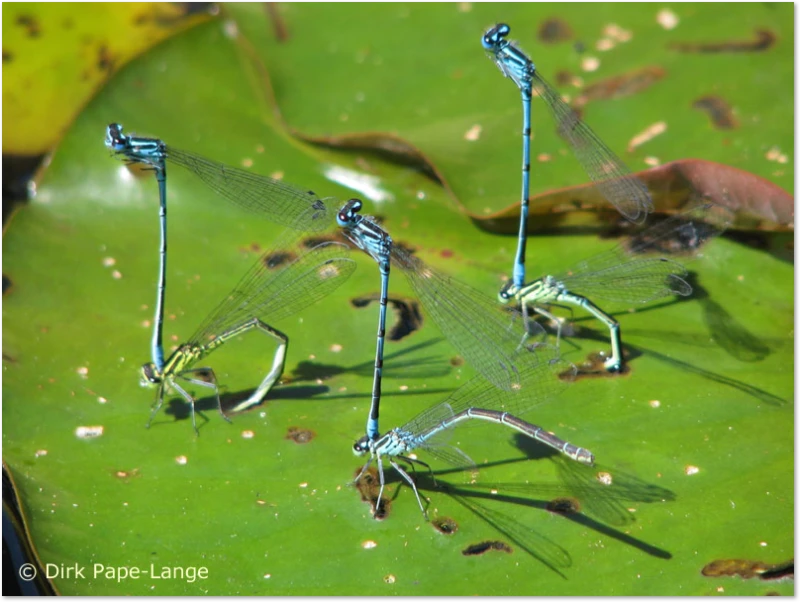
(614, 180)
(537, 545)
(271, 295)
(635, 281)
(541, 380)
(436, 443)
(608, 502)
(487, 337)
(623, 275)
(449, 454)
(277, 201)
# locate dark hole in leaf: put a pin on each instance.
(481, 548)
(445, 525)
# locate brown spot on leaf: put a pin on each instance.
(315, 241)
(277, 259)
(368, 485)
(564, 78)
(30, 24)
(764, 39)
(298, 435)
(620, 86)
(105, 61)
(554, 30)
(747, 569)
(718, 110)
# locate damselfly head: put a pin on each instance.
(115, 139)
(494, 36)
(347, 214)
(507, 292)
(361, 446)
(150, 375)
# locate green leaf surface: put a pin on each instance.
(56, 56)
(266, 515)
(417, 73)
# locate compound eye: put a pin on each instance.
(348, 212)
(149, 374)
(114, 136)
(361, 446)
(507, 291)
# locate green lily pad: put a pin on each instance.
(712, 82)
(55, 57)
(703, 475)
